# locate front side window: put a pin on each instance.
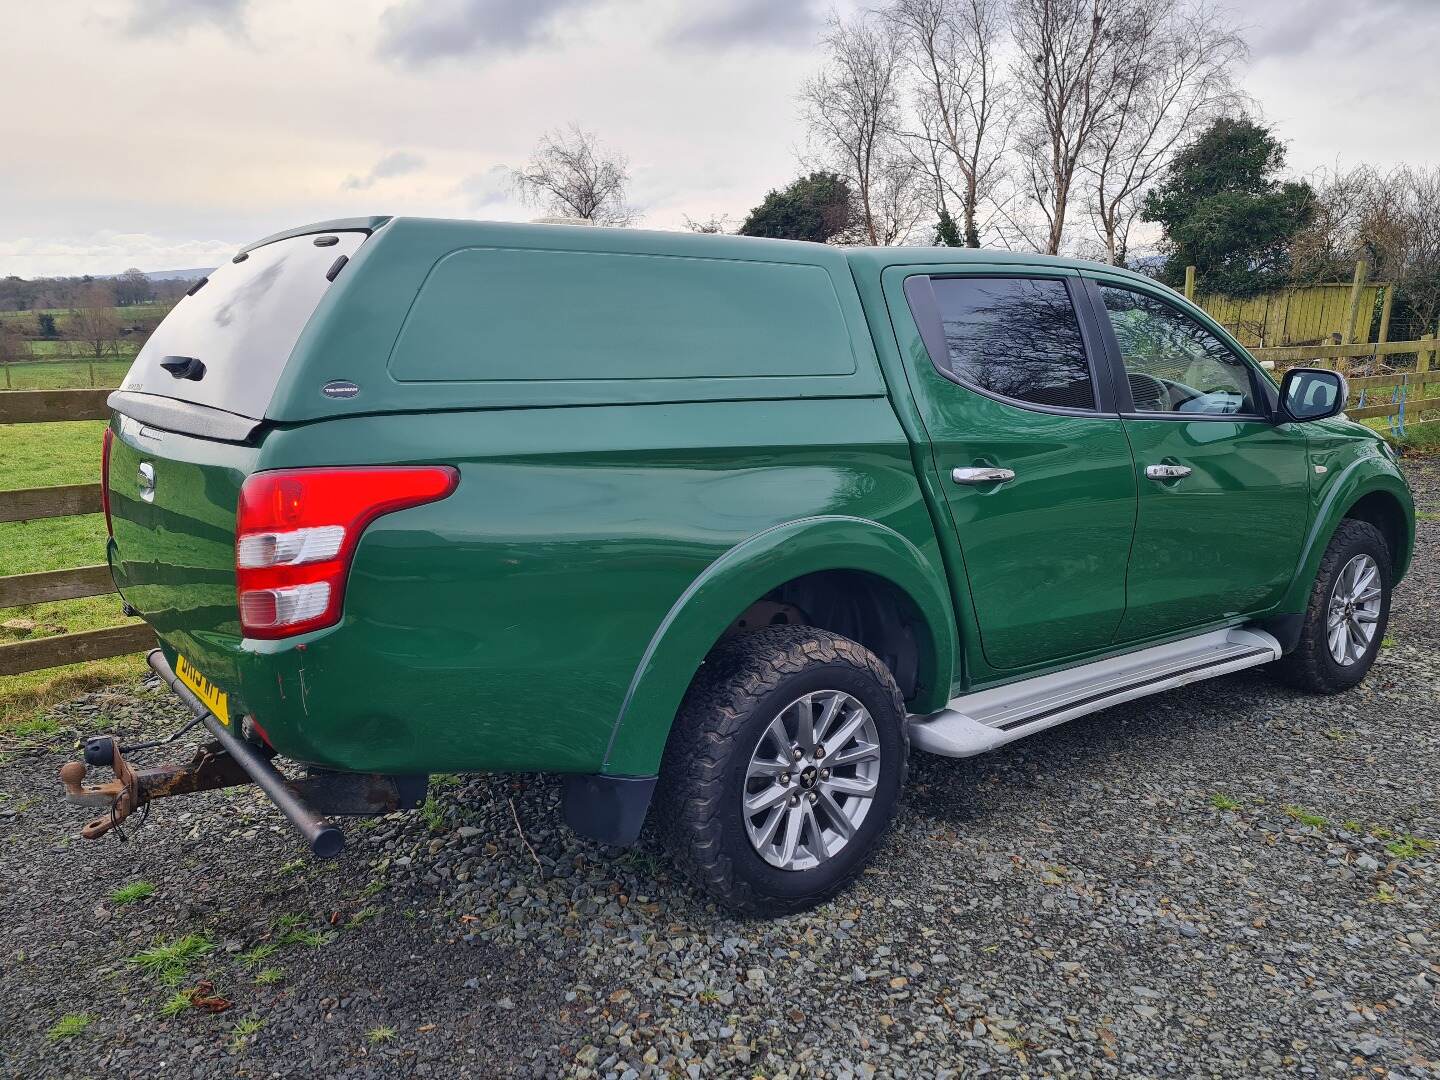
(1015, 337)
(1173, 364)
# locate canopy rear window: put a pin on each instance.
(226, 345)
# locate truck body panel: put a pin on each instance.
(654, 432)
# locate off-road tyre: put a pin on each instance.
(1310, 665)
(742, 686)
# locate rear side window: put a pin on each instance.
(239, 328)
(1015, 337)
(504, 315)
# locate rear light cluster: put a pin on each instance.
(296, 531)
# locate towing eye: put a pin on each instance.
(228, 761)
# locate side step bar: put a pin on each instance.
(974, 723)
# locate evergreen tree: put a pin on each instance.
(1226, 212)
(947, 234)
(817, 207)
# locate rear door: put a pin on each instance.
(185, 434)
(1029, 451)
(1224, 490)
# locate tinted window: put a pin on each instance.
(241, 325)
(1017, 337)
(1173, 364)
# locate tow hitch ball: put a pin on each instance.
(228, 761)
(210, 768)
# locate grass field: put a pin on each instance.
(40, 455)
(64, 374)
(131, 315)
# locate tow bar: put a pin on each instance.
(229, 761)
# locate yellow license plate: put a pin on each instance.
(215, 699)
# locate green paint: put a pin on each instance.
(620, 507)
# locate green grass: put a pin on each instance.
(1428, 515)
(69, 1026)
(381, 1034)
(44, 455)
(432, 815)
(64, 374)
(1304, 817)
(170, 961)
(1408, 847)
(177, 1003)
(258, 955)
(269, 975)
(313, 938)
(244, 1029)
(1221, 801)
(128, 894)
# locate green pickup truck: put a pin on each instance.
(718, 528)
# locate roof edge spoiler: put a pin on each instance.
(183, 417)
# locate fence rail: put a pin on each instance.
(30, 504)
(46, 406)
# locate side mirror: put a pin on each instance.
(1312, 394)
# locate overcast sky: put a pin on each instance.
(165, 133)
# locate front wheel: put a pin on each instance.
(1346, 617)
(784, 769)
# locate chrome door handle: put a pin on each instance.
(1166, 472)
(982, 475)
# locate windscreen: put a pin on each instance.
(226, 344)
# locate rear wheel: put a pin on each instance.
(784, 768)
(1347, 614)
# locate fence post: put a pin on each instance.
(1190, 283)
(1384, 334)
(1361, 270)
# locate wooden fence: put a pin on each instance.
(1411, 397)
(1414, 396)
(29, 504)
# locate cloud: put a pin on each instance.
(397, 163)
(496, 185)
(1295, 27)
(108, 252)
(751, 22)
(415, 32)
(150, 17)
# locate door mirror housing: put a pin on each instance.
(1312, 394)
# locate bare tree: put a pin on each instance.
(1400, 235)
(1173, 66)
(13, 346)
(1391, 220)
(1071, 61)
(94, 320)
(714, 224)
(962, 103)
(1327, 249)
(852, 109)
(572, 174)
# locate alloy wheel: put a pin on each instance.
(811, 780)
(1354, 612)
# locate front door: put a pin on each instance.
(1223, 489)
(1029, 452)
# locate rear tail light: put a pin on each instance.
(296, 531)
(105, 479)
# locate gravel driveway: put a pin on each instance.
(1225, 880)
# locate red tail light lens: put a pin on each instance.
(105, 479)
(296, 531)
